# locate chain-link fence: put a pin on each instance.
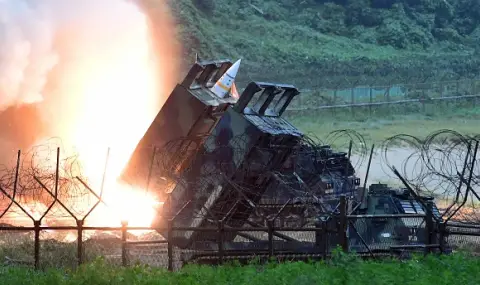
(367, 101)
(464, 236)
(368, 235)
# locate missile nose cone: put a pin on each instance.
(225, 83)
(237, 63)
(233, 70)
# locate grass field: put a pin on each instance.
(385, 123)
(343, 269)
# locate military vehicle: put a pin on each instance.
(388, 227)
(234, 162)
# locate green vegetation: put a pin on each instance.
(343, 269)
(325, 43)
(378, 130)
(337, 43)
(378, 123)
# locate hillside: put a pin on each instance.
(315, 43)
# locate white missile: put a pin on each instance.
(226, 82)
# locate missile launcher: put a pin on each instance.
(234, 161)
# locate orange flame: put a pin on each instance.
(115, 88)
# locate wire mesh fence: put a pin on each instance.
(60, 247)
(52, 216)
(367, 101)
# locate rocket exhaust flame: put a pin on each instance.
(96, 76)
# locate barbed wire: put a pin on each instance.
(251, 176)
(443, 164)
(32, 183)
(376, 96)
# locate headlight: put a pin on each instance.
(386, 235)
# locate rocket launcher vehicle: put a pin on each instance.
(202, 107)
(242, 142)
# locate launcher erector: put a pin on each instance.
(233, 159)
(232, 169)
(191, 110)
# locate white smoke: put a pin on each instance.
(28, 30)
(46, 44)
(26, 51)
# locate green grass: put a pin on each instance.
(454, 269)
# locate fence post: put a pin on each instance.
(36, 226)
(424, 96)
(343, 223)
(326, 239)
(442, 229)
(429, 227)
(170, 245)
(80, 242)
(371, 101)
(124, 243)
(387, 97)
(270, 238)
(220, 242)
(406, 97)
(334, 110)
(472, 92)
(352, 109)
(320, 237)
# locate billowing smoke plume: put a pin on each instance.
(57, 56)
(26, 52)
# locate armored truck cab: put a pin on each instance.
(384, 226)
